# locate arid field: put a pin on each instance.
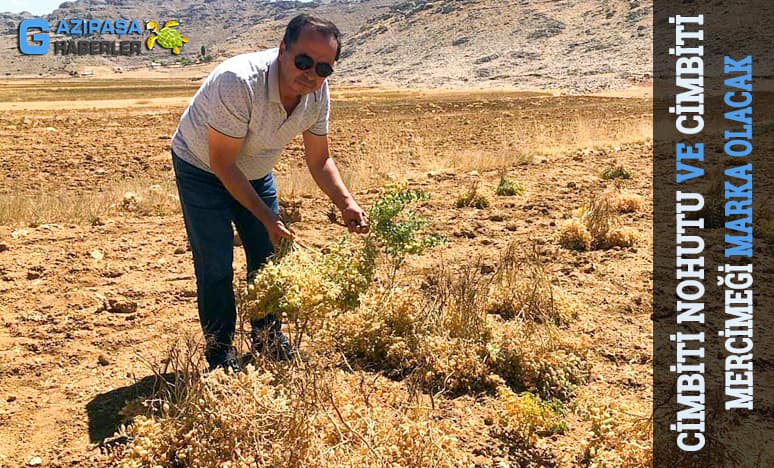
(98, 298)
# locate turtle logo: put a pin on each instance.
(166, 37)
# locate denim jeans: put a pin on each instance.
(208, 211)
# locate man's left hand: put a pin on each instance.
(355, 218)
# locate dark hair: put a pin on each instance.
(319, 25)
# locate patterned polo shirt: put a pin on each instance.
(240, 98)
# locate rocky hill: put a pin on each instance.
(571, 44)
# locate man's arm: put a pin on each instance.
(326, 175)
(223, 154)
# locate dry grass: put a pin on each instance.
(139, 196)
(472, 197)
(597, 225)
(523, 291)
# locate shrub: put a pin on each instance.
(522, 418)
(509, 188)
(627, 202)
(325, 418)
(539, 360)
(574, 235)
(523, 290)
(596, 226)
(473, 198)
(616, 172)
(618, 438)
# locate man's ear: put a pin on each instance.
(282, 48)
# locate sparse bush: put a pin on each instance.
(627, 202)
(472, 197)
(327, 418)
(300, 284)
(522, 418)
(509, 188)
(574, 235)
(380, 334)
(619, 438)
(537, 359)
(452, 365)
(620, 237)
(523, 290)
(596, 226)
(397, 228)
(616, 172)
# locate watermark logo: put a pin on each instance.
(167, 37)
(40, 43)
(35, 37)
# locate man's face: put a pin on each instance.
(319, 47)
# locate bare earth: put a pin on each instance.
(67, 365)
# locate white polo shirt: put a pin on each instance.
(240, 98)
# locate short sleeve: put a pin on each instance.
(320, 127)
(230, 104)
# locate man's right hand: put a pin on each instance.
(278, 231)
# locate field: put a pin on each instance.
(96, 282)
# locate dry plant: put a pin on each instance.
(522, 418)
(139, 196)
(596, 226)
(472, 197)
(618, 438)
(523, 291)
(626, 202)
(539, 359)
(299, 417)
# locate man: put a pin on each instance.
(223, 152)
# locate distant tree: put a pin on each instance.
(203, 51)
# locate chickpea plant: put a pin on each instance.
(303, 285)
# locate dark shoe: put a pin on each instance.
(228, 363)
(270, 341)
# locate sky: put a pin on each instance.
(36, 7)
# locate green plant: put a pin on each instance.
(616, 172)
(396, 228)
(509, 188)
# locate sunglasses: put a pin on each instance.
(304, 62)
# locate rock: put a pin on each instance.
(3, 246)
(119, 305)
(179, 250)
(11, 398)
(33, 274)
(496, 217)
(35, 461)
(102, 360)
(487, 269)
(237, 240)
(96, 254)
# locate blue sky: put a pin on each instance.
(36, 7)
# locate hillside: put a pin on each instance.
(577, 45)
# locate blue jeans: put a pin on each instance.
(208, 211)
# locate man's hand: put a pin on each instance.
(354, 218)
(278, 231)
(327, 176)
(223, 154)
